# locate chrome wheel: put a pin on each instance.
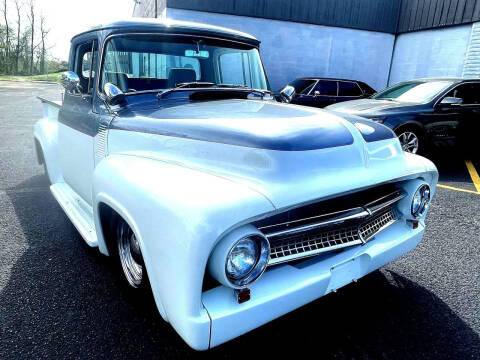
(409, 142)
(130, 254)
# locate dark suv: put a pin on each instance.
(320, 92)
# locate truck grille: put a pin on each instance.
(313, 242)
(368, 230)
(310, 236)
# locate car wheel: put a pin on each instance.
(410, 140)
(130, 255)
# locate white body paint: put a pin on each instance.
(181, 196)
(76, 160)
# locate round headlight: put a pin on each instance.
(242, 258)
(247, 260)
(420, 200)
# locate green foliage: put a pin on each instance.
(54, 77)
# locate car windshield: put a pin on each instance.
(153, 62)
(413, 91)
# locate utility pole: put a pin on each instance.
(156, 9)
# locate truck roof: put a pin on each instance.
(173, 26)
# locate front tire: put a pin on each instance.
(130, 255)
(410, 140)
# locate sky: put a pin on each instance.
(66, 18)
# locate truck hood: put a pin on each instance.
(290, 154)
(250, 123)
(368, 106)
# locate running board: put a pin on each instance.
(78, 211)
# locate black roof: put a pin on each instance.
(452, 79)
(171, 26)
(324, 78)
(445, 78)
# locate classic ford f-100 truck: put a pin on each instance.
(169, 153)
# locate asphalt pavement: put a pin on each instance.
(60, 299)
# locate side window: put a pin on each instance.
(347, 88)
(327, 88)
(469, 93)
(85, 65)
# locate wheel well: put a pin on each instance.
(39, 152)
(108, 219)
(413, 126)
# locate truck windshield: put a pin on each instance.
(153, 62)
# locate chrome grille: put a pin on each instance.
(308, 242)
(368, 230)
(312, 242)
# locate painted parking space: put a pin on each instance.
(458, 174)
(472, 170)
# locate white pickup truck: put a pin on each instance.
(170, 153)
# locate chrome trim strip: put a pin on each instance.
(359, 215)
(366, 210)
(311, 218)
(375, 208)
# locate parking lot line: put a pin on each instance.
(473, 174)
(457, 189)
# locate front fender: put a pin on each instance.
(178, 214)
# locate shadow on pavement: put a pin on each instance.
(65, 300)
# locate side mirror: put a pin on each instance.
(114, 94)
(451, 101)
(316, 93)
(71, 82)
(287, 93)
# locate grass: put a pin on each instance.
(55, 77)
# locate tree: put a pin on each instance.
(24, 50)
(31, 18)
(43, 52)
(19, 26)
(7, 38)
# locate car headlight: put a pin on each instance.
(247, 260)
(420, 200)
(240, 258)
(379, 120)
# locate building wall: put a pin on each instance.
(428, 14)
(374, 15)
(430, 53)
(291, 50)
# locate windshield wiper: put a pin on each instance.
(206, 84)
(191, 84)
(234, 86)
(194, 84)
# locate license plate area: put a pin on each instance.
(344, 273)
